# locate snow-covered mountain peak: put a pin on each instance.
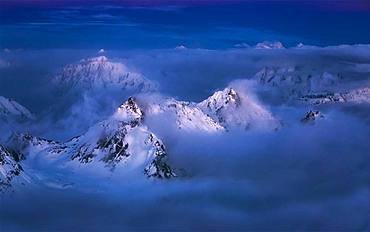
(300, 45)
(293, 83)
(98, 59)
(181, 47)
(122, 147)
(270, 45)
(101, 73)
(12, 110)
(220, 99)
(357, 96)
(121, 142)
(232, 109)
(129, 112)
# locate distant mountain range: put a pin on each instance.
(124, 141)
(316, 88)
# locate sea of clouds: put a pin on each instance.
(301, 177)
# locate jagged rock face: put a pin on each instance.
(10, 168)
(130, 112)
(101, 73)
(293, 83)
(11, 110)
(121, 141)
(311, 116)
(158, 167)
(230, 109)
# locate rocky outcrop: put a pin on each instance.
(312, 116)
(10, 168)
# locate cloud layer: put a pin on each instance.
(305, 177)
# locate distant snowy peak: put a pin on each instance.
(318, 88)
(12, 110)
(305, 46)
(102, 73)
(279, 76)
(322, 98)
(357, 96)
(181, 47)
(300, 45)
(242, 45)
(270, 45)
(294, 83)
(234, 110)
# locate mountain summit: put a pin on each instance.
(231, 109)
(101, 73)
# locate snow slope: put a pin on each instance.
(10, 110)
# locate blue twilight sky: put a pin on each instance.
(152, 24)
